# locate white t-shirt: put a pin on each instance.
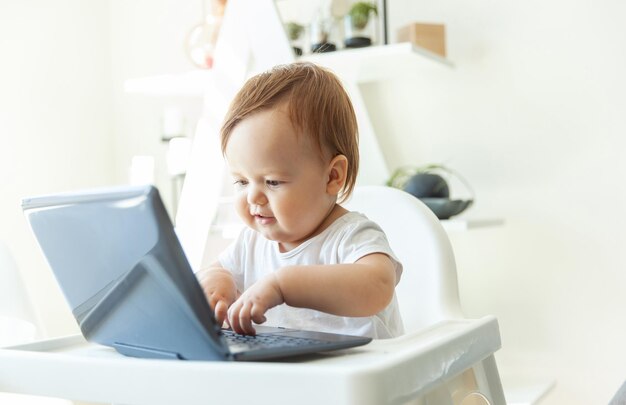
(351, 237)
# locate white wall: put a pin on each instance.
(55, 122)
(147, 39)
(65, 122)
(533, 115)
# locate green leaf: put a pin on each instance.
(294, 30)
(360, 13)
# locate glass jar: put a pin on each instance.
(322, 32)
(360, 25)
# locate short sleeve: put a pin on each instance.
(363, 238)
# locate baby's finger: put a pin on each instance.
(233, 317)
(245, 321)
(221, 312)
(211, 299)
(258, 314)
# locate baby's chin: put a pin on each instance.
(284, 243)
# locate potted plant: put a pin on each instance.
(429, 185)
(294, 33)
(358, 27)
(320, 31)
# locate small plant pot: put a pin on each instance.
(321, 36)
(427, 185)
(359, 31)
(295, 33)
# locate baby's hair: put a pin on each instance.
(317, 105)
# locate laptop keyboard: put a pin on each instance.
(247, 342)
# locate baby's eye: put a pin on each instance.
(273, 183)
(240, 183)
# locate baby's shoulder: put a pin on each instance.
(352, 223)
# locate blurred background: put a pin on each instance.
(532, 113)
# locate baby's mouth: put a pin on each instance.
(262, 219)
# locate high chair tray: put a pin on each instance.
(387, 371)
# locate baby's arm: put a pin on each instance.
(219, 288)
(363, 288)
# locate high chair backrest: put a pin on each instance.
(428, 290)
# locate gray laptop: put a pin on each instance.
(123, 272)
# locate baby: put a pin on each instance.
(303, 261)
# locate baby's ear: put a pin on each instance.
(337, 171)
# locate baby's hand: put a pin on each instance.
(220, 290)
(253, 303)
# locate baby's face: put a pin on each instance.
(280, 179)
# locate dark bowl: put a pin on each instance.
(427, 185)
(445, 208)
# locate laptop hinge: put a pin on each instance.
(145, 352)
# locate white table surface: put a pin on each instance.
(382, 372)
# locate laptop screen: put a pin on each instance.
(122, 270)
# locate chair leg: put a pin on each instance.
(492, 381)
(478, 385)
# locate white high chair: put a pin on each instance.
(428, 291)
(443, 359)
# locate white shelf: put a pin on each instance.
(378, 62)
(466, 224)
(363, 64)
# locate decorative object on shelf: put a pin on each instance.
(427, 36)
(321, 30)
(294, 33)
(445, 208)
(428, 183)
(201, 40)
(360, 25)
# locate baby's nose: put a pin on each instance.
(256, 196)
